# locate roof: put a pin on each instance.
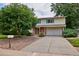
(51, 17)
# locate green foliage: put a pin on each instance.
(41, 34)
(70, 33)
(74, 42)
(70, 11)
(16, 19)
(29, 34)
(34, 21)
(3, 37)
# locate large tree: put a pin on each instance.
(70, 11)
(16, 19)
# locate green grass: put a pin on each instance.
(2, 37)
(74, 42)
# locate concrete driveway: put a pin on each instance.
(50, 44)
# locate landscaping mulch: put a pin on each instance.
(18, 43)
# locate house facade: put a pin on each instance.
(51, 26)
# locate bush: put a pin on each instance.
(70, 33)
(17, 36)
(41, 34)
(29, 34)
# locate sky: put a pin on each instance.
(1, 5)
(40, 9)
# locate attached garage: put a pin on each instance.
(54, 31)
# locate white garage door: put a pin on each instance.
(54, 31)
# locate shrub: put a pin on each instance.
(29, 34)
(70, 33)
(41, 34)
(17, 36)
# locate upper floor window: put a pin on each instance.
(39, 21)
(50, 20)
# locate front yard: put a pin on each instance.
(16, 43)
(2, 37)
(74, 42)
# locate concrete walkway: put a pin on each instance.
(49, 44)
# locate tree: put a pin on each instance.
(70, 11)
(16, 19)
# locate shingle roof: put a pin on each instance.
(51, 17)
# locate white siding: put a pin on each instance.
(59, 21)
(56, 21)
(43, 21)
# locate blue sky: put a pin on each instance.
(41, 9)
(1, 5)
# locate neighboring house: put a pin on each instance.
(51, 25)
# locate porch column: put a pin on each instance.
(62, 30)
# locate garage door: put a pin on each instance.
(54, 31)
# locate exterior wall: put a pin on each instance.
(60, 21)
(43, 21)
(56, 21)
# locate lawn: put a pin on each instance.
(74, 42)
(2, 37)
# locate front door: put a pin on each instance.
(42, 30)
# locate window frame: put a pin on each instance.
(50, 21)
(39, 21)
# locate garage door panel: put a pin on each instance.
(54, 31)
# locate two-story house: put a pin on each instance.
(51, 25)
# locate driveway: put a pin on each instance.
(50, 44)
